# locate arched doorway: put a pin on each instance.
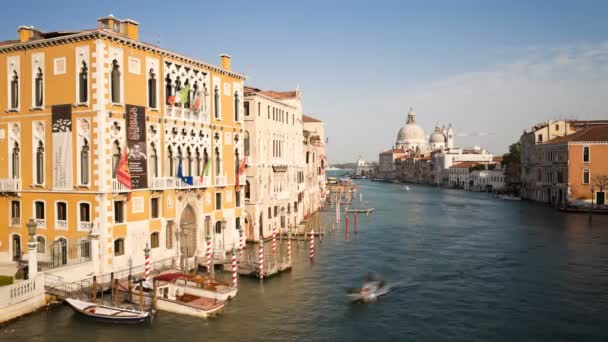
(187, 232)
(16, 247)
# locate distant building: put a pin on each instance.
(444, 159)
(315, 163)
(387, 159)
(364, 168)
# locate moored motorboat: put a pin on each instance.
(173, 298)
(200, 285)
(106, 313)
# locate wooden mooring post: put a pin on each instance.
(94, 289)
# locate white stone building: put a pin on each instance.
(444, 159)
(274, 132)
(315, 164)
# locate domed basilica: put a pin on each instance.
(411, 137)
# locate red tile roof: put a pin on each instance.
(394, 150)
(306, 118)
(592, 133)
(463, 165)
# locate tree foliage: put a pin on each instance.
(513, 156)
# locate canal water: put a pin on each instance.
(472, 268)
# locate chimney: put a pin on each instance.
(131, 29)
(26, 33)
(225, 61)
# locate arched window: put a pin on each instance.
(152, 89)
(246, 143)
(237, 163)
(198, 162)
(15, 90)
(205, 162)
(119, 247)
(83, 83)
(218, 227)
(84, 162)
(216, 102)
(585, 176)
(178, 85)
(41, 244)
(194, 92)
(187, 85)
(189, 161)
(153, 160)
(180, 157)
(586, 154)
(115, 82)
(218, 166)
(247, 190)
(154, 240)
(40, 163)
(15, 159)
(38, 88)
(170, 160)
(115, 158)
(168, 89)
(236, 106)
(237, 223)
(205, 94)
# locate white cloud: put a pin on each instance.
(564, 82)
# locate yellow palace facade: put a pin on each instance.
(72, 105)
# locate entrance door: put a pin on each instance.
(601, 198)
(187, 238)
(249, 226)
(16, 247)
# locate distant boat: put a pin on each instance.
(509, 197)
(106, 313)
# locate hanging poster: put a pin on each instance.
(136, 143)
(61, 116)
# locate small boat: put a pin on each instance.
(173, 298)
(509, 197)
(111, 314)
(200, 285)
(370, 291)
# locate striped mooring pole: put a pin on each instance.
(209, 255)
(147, 254)
(261, 259)
(356, 223)
(241, 244)
(274, 240)
(346, 224)
(289, 248)
(234, 269)
(312, 244)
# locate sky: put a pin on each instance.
(490, 68)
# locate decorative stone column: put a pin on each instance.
(32, 259)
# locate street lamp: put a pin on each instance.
(31, 228)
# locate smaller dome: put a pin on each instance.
(437, 137)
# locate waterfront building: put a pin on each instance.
(487, 180)
(74, 102)
(459, 175)
(417, 169)
(564, 166)
(387, 168)
(273, 137)
(314, 194)
(444, 159)
(364, 168)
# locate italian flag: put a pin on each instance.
(205, 172)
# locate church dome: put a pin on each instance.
(437, 136)
(411, 133)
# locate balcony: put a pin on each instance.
(119, 187)
(177, 112)
(162, 183)
(220, 181)
(59, 225)
(10, 184)
(85, 226)
(15, 221)
(41, 223)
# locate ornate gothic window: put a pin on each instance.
(40, 163)
(38, 86)
(15, 157)
(187, 104)
(237, 163)
(189, 161)
(236, 106)
(246, 143)
(198, 162)
(170, 160)
(84, 162)
(15, 90)
(218, 166)
(216, 102)
(115, 158)
(152, 89)
(83, 83)
(115, 82)
(168, 89)
(153, 160)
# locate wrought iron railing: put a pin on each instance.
(61, 253)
